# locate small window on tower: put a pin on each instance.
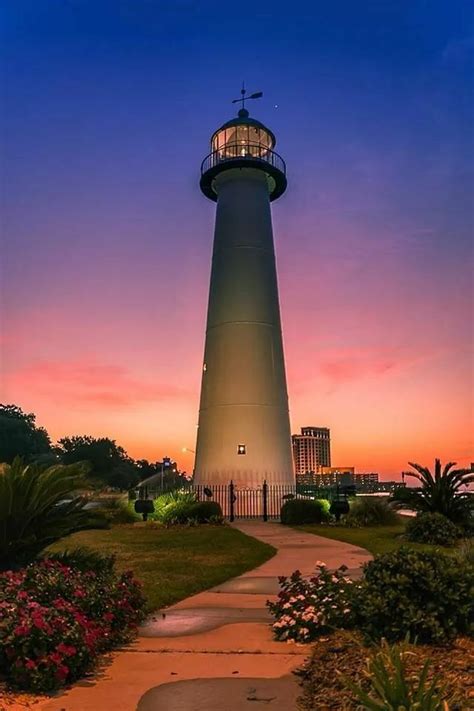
(241, 449)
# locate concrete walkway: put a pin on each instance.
(214, 651)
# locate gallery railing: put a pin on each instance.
(246, 151)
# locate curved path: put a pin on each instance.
(214, 651)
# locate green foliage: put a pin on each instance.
(38, 507)
(20, 437)
(391, 687)
(172, 504)
(432, 528)
(182, 507)
(442, 492)
(117, 510)
(300, 511)
(371, 511)
(426, 595)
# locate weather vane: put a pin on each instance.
(244, 98)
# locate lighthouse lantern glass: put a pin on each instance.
(242, 141)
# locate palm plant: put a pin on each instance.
(39, 506)
(441, 492)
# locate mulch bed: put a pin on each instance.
(14, 701)
(343, 653)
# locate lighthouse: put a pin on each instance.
(244, 429)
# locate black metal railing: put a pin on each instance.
(246, 151)
(261, 502)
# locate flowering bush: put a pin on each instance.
(55, 620)
(307, 608)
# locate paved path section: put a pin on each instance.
(214, 651)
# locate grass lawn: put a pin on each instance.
(375, 539)
(173, 563)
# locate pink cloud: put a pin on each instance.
(341, 365)
(90, 382)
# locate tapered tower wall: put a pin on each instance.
(244, 398)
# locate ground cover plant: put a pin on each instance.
(173, 563)
(58, 616)
(434, 528)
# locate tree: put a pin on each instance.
(441, 492)
(123, 476)
(108, 461)
(20, 437)
(39, 506)
(103, 454)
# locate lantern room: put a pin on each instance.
(242, 136)
(243, 142)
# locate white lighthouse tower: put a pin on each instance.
(244, 427)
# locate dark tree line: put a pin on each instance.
(110, 463)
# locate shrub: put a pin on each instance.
(206, 512)
(432, 528)
(307, 608)
(56, 619)
(300, 511)
(39, 506)
(371, 511)
(390, 685)
(426, 595)
(117, 511)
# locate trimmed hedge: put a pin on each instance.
(300, 511)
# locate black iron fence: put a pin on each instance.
(262, 502)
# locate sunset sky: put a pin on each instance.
(108, 109)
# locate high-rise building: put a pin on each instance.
(244, 427)
(311, 450)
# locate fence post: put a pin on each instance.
(231, 500)
(265, 500)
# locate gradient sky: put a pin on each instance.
(108, 107)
